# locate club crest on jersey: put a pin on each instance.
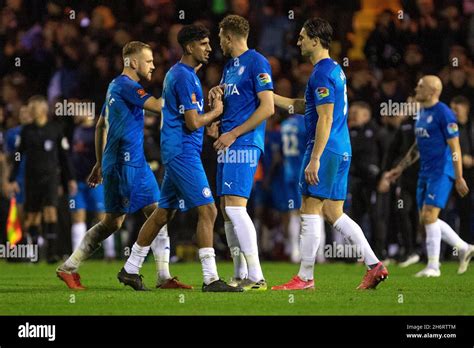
(263, 79)
(429, 119)
(453, 128)
(241, 70)
(206, 192)
(141, 92)
(322, 92)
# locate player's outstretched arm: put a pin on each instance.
(411, 157)
(195, 121)
(264, 111)
(323, 130)
(153, 104)
(460, 183)
(293, 106)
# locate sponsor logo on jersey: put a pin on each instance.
(421, 132)
(263, 79)
(322, 92)
(200, 104)
(452, 128)
(230, 89)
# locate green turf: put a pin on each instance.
(28, 289)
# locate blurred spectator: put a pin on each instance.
(383, 45)
(457, 85)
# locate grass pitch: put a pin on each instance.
(28, 289)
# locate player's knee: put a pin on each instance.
(112, 224)
(208, 212)
(428, 216)
(50, 215)
(78, 216)
(161, 217)
(328, 215)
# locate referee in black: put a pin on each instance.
(45, 149)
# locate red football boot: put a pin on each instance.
(173, 283)
(373, 277)
(72, 280)
(296, 283)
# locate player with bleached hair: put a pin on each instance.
(129, 183)
(437, 146)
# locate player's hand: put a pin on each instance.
(218, 106)
(72, 187)
(461, 187)
(311, 172)
(95, 177)
(214, 93)
(394, 174)
(224, 141)
(213, 130)
(384, 184)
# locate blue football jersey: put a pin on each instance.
(434, 126)
(182, 91)
(244, 77)
(327, 85)
(293, 138)
(123, 112)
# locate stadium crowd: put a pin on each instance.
(71, 50)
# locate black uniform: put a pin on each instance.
(386, 227)
(45, 151)
(405, 209)
(364, 171)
